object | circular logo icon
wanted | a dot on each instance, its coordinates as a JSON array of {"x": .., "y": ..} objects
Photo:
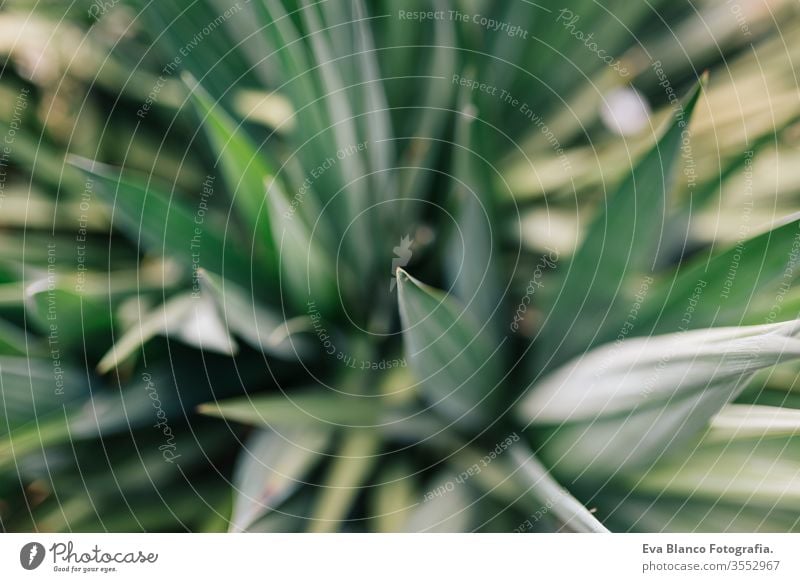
[{"x": 31, "y": 555}]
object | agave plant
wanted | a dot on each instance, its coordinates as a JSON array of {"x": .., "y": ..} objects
[{"x": 337, "y": 266}]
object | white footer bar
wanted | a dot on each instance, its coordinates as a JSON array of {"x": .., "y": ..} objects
[{"x": 390, "y": 557}]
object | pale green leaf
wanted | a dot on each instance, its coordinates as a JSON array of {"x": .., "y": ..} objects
[
  {"x": 568, "y": 510},
  {"x": 755, "y": 473},
  {"x": 625, "y": 405},
  {"x": 460, "y": 371},
  {"x": 450, "y": 512},
  {"x": 254, "y": 323},
  {"x": 270, "y": 468},
  {"x": 754, "y": 421},
  {"x": 306, "y": 408},
  {"x": 192, "y": 320},
  {"x": 349, "y": 470}
]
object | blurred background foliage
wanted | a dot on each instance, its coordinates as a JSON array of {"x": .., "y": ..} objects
[{"x": 88, "y": 81}]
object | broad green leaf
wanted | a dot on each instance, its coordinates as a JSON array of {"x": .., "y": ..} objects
[
  {"x": 472, "y": 254},
  {"x": 244, "y": 167},
  {"x": 33, "y": 438},
  {"x": 270, "y": 468},
  {"x": 340, "y": 28},
  {"x": 252, "y": 179},
  {"x": 744, "y": 284},
  {"x": 35, "y": 397},
  {"x": 621, "y": 245},
  {"x": 164, "y": 225},
  {"x": 248, "y": 27},
  {"x": 459, "y": 369},
  {"x": 343, "y": 127},
  {"x": 313, "y": 138},
  {"x": 376, "y": 123},
  {"x": 344, "y": 482},
  {"x": 294, "y": 61},
  {"x": 432, "y": 110},
  {"x": 15, "y": 341},
  {"x": 507, "y": 50},
  {"x": 357, "y": 197},
  {"x": 625, "y": 405},
  {"x": 211, "y": 58},
  {"x": 33, "y": 388},
  {"x": 307, "y": 272}
]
